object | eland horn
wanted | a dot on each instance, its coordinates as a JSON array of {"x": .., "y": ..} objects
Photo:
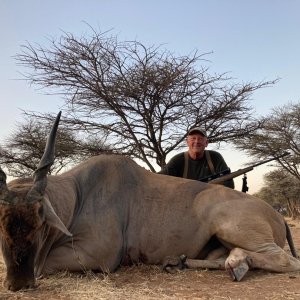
[{"x": 40, "y": 174}]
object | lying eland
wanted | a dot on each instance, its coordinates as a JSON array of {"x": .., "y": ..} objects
[{"x": 108, "y": 212}]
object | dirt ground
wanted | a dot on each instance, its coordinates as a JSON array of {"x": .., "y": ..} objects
[{"x": 149, "y": 282}]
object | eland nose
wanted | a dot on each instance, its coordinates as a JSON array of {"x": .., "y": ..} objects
[{"x": 19, "y": 285}]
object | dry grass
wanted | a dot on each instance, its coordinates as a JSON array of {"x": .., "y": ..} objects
[
  {"x": 148, "y": 282},
  {"x": 139, "y": 282}
]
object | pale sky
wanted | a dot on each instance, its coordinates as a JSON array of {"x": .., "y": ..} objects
[{"x": 253, "y": 40}]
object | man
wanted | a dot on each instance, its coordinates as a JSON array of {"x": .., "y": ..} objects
[{"x": 197, "y": 163}]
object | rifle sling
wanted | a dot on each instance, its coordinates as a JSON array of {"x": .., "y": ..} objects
[
  {"x": 186, "y": 164},
  {"x": 209, "y": 161}
]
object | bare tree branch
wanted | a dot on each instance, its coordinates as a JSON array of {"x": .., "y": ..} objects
[
  {"x": 280, "y": 131},
  {"x": 23, "y": 150},
  {"x": 142, "y": 99}
]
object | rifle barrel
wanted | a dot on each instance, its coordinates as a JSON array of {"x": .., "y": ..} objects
[
  {"x": 231, "y": 175},
  {"x": 239, "y": 172},
  {"x": 270, "y": 159}
]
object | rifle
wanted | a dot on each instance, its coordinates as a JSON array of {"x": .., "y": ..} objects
[
  {"x": 221, "y": 177},
  {"x": 211, "y": 177}
]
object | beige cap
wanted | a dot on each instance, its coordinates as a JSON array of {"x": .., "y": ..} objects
[{"x": 197, "y": 130}]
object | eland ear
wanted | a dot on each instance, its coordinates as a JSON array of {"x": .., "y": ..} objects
[
  {"x": 52, "y": 218},
  {"x": 3, "y": 186}
]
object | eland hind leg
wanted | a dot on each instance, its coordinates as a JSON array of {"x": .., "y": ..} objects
[{"x": 272, "y": 258}]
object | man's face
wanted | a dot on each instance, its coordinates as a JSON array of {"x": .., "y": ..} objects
[{"x": 197, "y": 142}]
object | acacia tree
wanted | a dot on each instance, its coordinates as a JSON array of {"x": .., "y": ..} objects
[
  {"x": 142, "y": 99},
  {"x": 280, "y": 131},
  {"x": 281, "y": 189},
  {"x": 23, "y": 149}
]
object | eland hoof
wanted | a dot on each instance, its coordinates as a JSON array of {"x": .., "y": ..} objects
[
  {"x": 237, "y": 273},
  {"x": 171, "y": 264}
]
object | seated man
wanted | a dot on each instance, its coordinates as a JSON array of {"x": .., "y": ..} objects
[{"x": 197, "y": 163}]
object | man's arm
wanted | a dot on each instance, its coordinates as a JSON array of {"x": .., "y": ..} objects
[{"x": 174, "y": 167}]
